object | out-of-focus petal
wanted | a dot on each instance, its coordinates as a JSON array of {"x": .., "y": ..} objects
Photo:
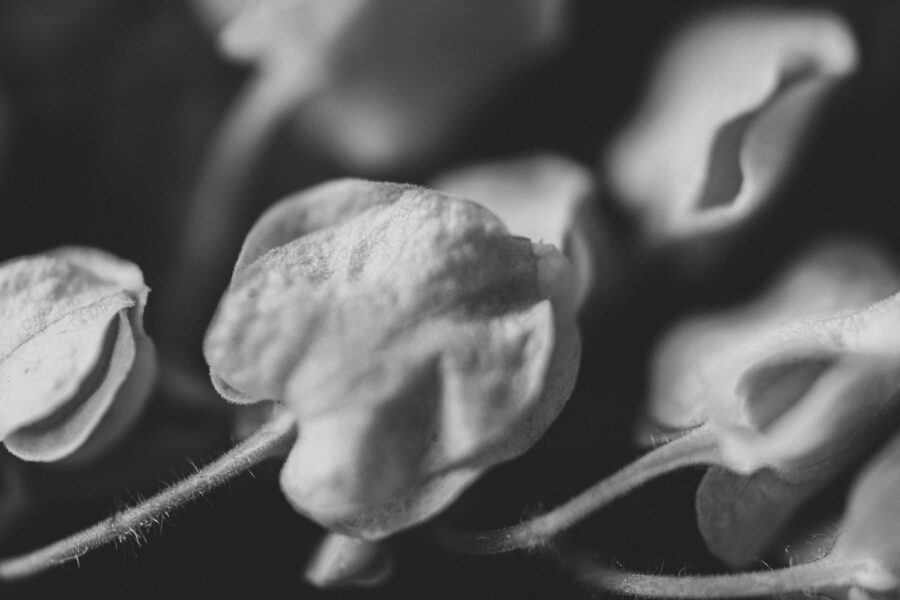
[
  {"x": 342, "y": 561},
  {"x": 728, "y": 107},
  {"x": 871, "y": 528},
  {"x": 790, "y": 409},
  {"x": 545, "y": 198},
  {"x": 5, "y": 133},
  {"x": 389, "y": 83},
  {"x": 692, "y": 362},
  {"x": 417, "y": 342},
  {"x": 75, "y": 364}
]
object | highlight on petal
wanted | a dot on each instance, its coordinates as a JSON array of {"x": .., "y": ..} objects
[
  {"x": 75, "y": 363},
  {"x": 870, "y": 529},
  {"x": 416, "y": 341},
  {"x": 5, "y": 132},
  {"x": 545, "y": 198},
  {"x": 790, "y": 408},
  {"x": 342, "y": 561},
  {"x": 729, "y": 105}
]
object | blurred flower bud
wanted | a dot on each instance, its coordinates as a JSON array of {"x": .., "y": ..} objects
[
  {"x": 75, "y": 363},
  {"x": 870, "y": 529},
  {"x": 788, "y": 411},
  {"x": 728, "y": 107},
  {"x": 415, "y": 340},
  {"x": 389, "y": 83}
]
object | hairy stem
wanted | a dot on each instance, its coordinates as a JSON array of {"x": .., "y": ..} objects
[
  {"x": 696, "y": 447},
  {"x": 132, "y": 522},
  {"x": 819, "y": 576}
]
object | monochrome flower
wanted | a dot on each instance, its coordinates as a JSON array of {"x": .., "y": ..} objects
[
  {"x": 789, "y": 412},
  {"x": 416, "y": 342},
  {"x": 75, "y": 363}
]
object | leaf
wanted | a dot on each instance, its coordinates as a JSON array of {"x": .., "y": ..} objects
[
  {"x": 730, "y": 103},
  {"x": 415, "y": 340},
  {"x": 75, "y": 364},
  {"x": 789, "y": 408},
  {"x": 545, "y": 198}
]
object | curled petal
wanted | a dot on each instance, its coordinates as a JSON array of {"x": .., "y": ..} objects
[
  {"x": 816, "y": 408},
  {"x": 789, "y": 408},
  {"x": 5, "y": 133},
  {"x": 75, "y": 364},
  {"x": 871, "y": 528},
  {"x": 545, "y": 198},
  {"x": 729, "y": 105},
  {"x": 700, "y": 363},
  {"x": 416, "y": 341}
]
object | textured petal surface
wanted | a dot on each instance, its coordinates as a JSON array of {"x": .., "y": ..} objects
[
  {"x": 544, "y": 198},
  {"x": 414, "y": 338},
  {"x": 728, "y": 107},
  {"x": 73, "y": 316}
]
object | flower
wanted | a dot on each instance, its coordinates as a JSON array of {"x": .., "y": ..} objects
[
  {"x": 726, "y": 112},
  {"x": 415, "y": 340},
  {"x": 547, "y": 198},
  {"x": 75, "y": 363},
  {"x": 388, "y": 84},
  {"x": 789, "y": 409}
]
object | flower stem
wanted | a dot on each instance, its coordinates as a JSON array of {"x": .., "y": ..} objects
[
  {"x": 134, "y": 521},
  {"x": 819, "y": 576},
  {"x": 696, "y": 447},
  {"x": 206, "y": 243}
]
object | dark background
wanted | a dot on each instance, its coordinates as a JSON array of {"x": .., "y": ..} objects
[{"x": 114, "y": 101}]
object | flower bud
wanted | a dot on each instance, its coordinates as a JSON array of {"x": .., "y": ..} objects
[
  {"x": 75, "y": 363},
  {"x": 415, "y": 340}
]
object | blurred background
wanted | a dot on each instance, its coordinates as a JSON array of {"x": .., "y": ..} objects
[{"x": 107, "y": 110}]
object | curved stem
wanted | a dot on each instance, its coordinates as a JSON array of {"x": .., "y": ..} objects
[
  {"x": 696, "y": 447},
  {"x": 134, "y": 521},
  {"x": 819, "y": 576},
  {"x": 213, "y": 206},
  {"x": 245, "y": 131}
]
